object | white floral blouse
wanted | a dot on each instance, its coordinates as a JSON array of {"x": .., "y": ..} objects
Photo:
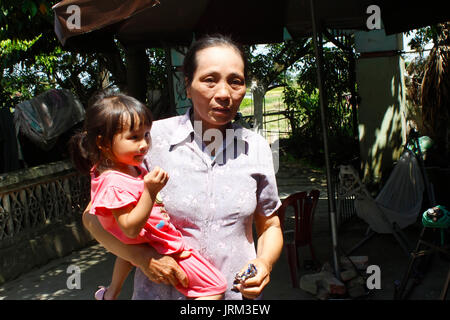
[{"x": 211, "y": 200}]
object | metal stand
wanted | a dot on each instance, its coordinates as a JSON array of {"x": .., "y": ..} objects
[
  {"x": 401, "y": 290},
  {"x": 412, "y": 141},
  {"x": 445, "y": 288},
  {"x": 352, "y": 185},
  {"x": 424, "y": 250},
  {"x": 396, "y": 232},
  {"x": 318, "y": 50}
]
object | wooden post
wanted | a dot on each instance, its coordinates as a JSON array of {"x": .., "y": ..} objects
[{"x": 137, "y": 70}]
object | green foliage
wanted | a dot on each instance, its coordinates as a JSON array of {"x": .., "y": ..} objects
[
  {"x": 8, "y": 46},
  {"x": 268, "y": 64},
  {"x": 28, "y": 49},
  {"x": 157, "y": 77},
  {"x": 427, "y": 88},
  {"x": 336, "y": 75},
  {"x": 24, "y": 19},
  {"x": 27, "y": 72},
  {"x": 423, "y": 36},
  {"x": 33, "y": 61},
  {"x": 303, "y": 110},
  {"x": 246, "y": 102}
]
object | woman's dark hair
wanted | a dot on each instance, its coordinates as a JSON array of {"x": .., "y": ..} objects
[
  {"x": 208, "y": 41},
  {"x": 104, "y": 117}
]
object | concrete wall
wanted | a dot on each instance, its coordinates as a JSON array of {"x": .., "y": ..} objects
[
  {"x": 381, "y": 86},
  {"x": 40, "y": 216},
  {"x": 381, "y": 122},
  {"x": 38, "y": 247}
]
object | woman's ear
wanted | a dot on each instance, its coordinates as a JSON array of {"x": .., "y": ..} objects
[{"x": 188, "y": 88}]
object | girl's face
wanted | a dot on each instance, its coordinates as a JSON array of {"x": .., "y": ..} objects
[
  {"x": 129, "y": 147},
  {"x": 218, "y": 86}
]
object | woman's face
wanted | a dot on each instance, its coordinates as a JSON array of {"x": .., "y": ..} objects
[{"x": 218, "y": 86}]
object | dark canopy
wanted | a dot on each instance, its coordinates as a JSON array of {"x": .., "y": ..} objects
[{"x": 150, "y": 23}]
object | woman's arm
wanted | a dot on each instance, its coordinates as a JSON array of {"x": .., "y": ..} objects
[
  {"x": 158, "y": 268},
  {"x": 269, "y": 246}
]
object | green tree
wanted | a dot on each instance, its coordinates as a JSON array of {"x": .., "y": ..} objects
[
  {"x": 435, "y": 94},
  {"x": 24, "y": 35},
  {"x": 267, "y": 67},
  {"x": 428, "y": 87},
  {"x": 32, "y": 60},
  {"x": 302, "y": 100}
]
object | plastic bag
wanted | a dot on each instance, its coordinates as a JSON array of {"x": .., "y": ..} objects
[
  {"x": 44, "y": 118},
  {"x": 399, "y": 201}
]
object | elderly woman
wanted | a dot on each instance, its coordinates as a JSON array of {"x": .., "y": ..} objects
[{"x": 221, "y": 182}]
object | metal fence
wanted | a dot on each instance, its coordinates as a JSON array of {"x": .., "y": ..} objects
[{"x": 345, "y": 202}]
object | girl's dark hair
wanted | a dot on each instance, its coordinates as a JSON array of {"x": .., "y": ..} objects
[
  {"x": 104, "y": 117},
  {"x": 208, "y": 41}
]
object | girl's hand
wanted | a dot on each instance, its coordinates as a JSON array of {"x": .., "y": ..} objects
[
  {"x": 253, "y": 287},
  {"x": 155, "y": 180}
]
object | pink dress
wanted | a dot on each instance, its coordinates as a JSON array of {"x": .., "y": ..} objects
[{"x": 114, "y": 190}]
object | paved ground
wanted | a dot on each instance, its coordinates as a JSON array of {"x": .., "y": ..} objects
[{"x": 50, "y": 281}]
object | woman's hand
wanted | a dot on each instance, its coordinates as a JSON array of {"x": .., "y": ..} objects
[
  {"x": 158, "y": 268},
  {"x": 163, "y": 269},
  {"x": 253, "y": 287},
  {"x": 270, "y": 244}
]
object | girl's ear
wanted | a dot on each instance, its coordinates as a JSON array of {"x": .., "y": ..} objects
[{"x": 100, "y": 143}]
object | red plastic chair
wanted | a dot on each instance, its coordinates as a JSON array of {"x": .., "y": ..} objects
[{"x": 304, "y": 207}]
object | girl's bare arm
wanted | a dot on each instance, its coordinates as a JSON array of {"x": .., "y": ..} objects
[
  {"x": 158, "y": 268},
  {"x": 131, "y": 219}
]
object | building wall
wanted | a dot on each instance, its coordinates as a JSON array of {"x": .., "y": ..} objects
[{"x": 381, "y": 86}]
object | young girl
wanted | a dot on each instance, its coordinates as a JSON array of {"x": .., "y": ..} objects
[{"x": 124, "y": 195}]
